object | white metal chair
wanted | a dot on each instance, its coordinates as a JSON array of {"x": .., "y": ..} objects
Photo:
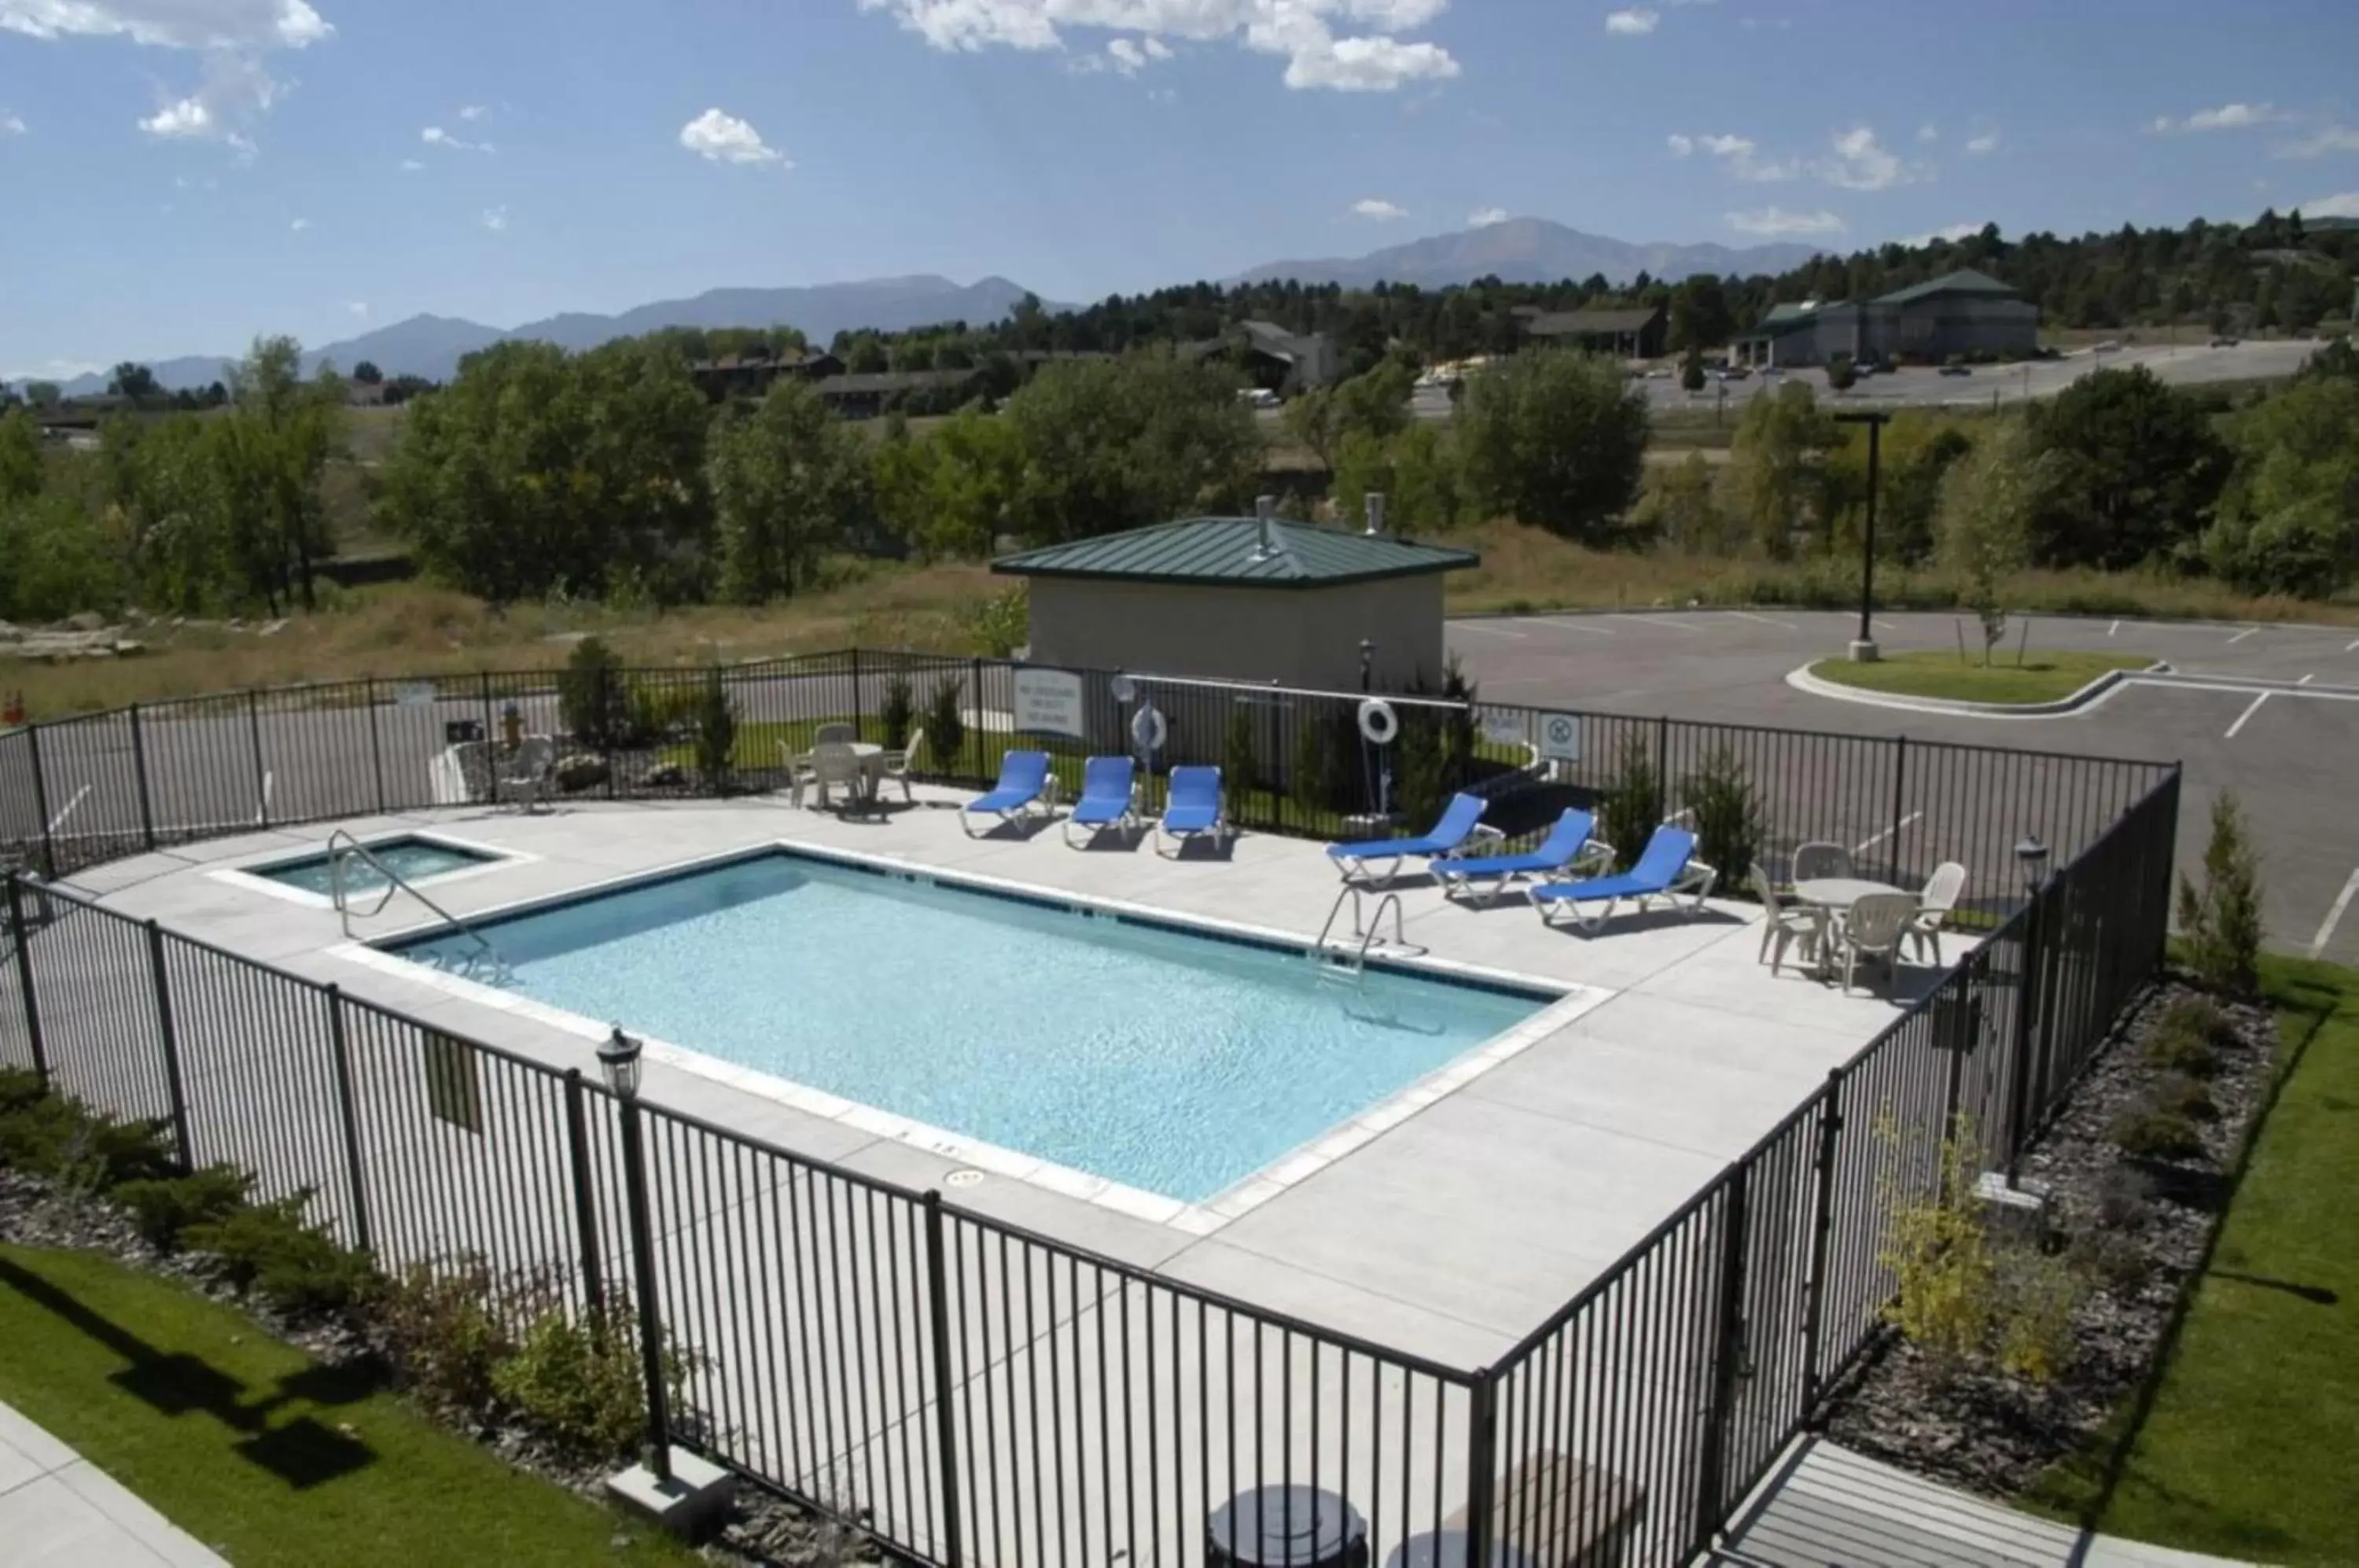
[
  {"x": 1813, "y": 861},
  {"x": 1935, "y": 905},
  {"x": 1873, "y": 929},
  {"x": 527, "y": 775},
  {"x": 1783, "y": 925},
  {"x": 898, "y": 765}
]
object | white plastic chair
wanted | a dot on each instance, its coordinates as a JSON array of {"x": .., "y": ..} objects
[
  {"x": 835, "y": 764},
  {"x": 898, "y": 765},
  {"x": 1935, "y": 905},
  {"x": 1783, "y": 925},
  {"x": 836, "y": 734},
  {"x": 801, "y": 773},
  {"x": 526, "y": 775},
  {"x": 1873, "y": 929},
  {"x": 1813, "y": 861}
]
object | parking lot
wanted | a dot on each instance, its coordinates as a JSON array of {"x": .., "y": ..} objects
[{"x": 2290, "y": 755}]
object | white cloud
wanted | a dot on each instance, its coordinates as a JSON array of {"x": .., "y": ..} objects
[
  {"x": 1953, "y": 233},
  {"x": 2345, "y": 205},
  {"x": 495, "y": 219},
  {"x": 1778, "y": 221},
  {"x": 723, "y": 138},
  {"x": 1738, "y": 156},
  {"x": 2324, "y": 140},
  {"x": 171, "y": 24},
  {"x": 299, "y": 225},
  {"x": 410, "y": 166},
  {"x": 2226, "y": 118},
  {"x": 188, "y": 119},
  {"x": 1928, "y": 132},
  {"x": 1860, "y": 163},
  {"x": 1484, "y": 217},
  {"x": 1130, "y": 56},
  {"x": 1303, "y": 32},
  {"x": 1635, "y": 22},
  {"x": 435, "y": 135},
  {"x": 471, "y": 111},
  {"x": 1983, "y": 142},
  {"x": 358, "y": 307},
  {"x": 1379, "y": 209},
  {"x": 11, "y": 124}
]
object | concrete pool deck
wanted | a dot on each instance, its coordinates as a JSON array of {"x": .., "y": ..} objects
[{"x": 1449, "y": 1233}]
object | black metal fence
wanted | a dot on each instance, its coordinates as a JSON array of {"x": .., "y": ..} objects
[{"x": 971, "y": 1391}]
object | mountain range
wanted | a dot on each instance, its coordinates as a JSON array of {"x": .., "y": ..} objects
[{"x": 1518, "y": 250}]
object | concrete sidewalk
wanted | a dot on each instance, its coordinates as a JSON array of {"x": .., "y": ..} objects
[{"x": 56, "y": 1508}]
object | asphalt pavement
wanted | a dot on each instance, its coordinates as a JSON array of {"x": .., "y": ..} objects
[{"x": 2288, "y": 755}]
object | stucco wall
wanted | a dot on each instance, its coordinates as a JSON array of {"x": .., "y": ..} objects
[{"x": 1296, "y": 636}]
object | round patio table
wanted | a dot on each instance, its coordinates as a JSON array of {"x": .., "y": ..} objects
[{"x": 1838, "y": 892}]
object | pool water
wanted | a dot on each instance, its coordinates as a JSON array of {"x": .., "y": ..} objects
[
  {"x": 411, "y": 859},
  {"x": 1155, "y": 1058}
]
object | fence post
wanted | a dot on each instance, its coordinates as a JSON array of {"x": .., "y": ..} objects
[
  {"x": 347, "y": 1113},
  {"x": 2027, "y": 1006},
  {"x": 858, "y": 725},
  {"x": 1822, "y": 1220},
  {"x": 1728, "y": 1343},
  {"x": 41, "y": 803},
  {"x": 1481, "y": 1464},
  {"x": 376, "y": 743},
  {"x": 261, "y": 774},
  {"x": 945, "y": 1428},
  {"x": 139, "y": 773},
  {"x": 974, "y": 730},
  {"x": 1899, "y": 782},
  {"x": 585, "y": 1202},
  {"x": 1663, "y": 760},
  {"x": 491, "y": 729},
  {"x": 20, "y": 935},
  {"x": 167, "y": 1033}
]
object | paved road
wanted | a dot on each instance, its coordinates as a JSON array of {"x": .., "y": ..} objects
[{"x": 2289, "y": 757}]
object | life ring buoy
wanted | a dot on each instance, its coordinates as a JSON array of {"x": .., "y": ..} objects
[
  {"x": 1147, "y": 728},
  {"x": 1378, "y": 723}
]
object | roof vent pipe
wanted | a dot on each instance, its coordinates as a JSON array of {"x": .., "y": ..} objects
[
  {"x": 1265, "y": 508},
  {"x": 1375, "y": 515}
]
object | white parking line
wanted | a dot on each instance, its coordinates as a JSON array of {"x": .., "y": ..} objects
[
  {"x": 2351, "y": 646},
  {"x": 1669, "y": 621},
  {"x": 1864, "y": 846},
  {"x": 2306, "y": 679},
  {"x": 1486, "y": 630},
  {"x": 2112, "y": 629},
  {"x": 2334, "y": 916},
  {"x": 2247, "y": 714},
  {"x": 59, "y": 821},
  {"x": 1569, "y": 624},
  {"x": 1746, "y": 616},
  {"x": 2241, "y": 635}
]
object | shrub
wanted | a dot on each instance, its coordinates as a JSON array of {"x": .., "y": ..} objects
[
  {"x": 164, "y": 1210},
  {"x": 945, "y": 730},
  {"x": 1001, "y": 623},
  {"x": 1727, "y": 816},
  {"x": 577, "y": 1381},
  {"x": 2221, "y": 926},
  {"x": 1634, "y": 801},
  {"x": 20, "y": 1087},
  {"x": 658, "y": 709},
  {"x": 2178, "y": 1094},
  {"x": 2114, "y": 1260},
  {"x": 1939, "y": 1253},
  {"x": 1239, "y": 763},
  {"x": 2149, "y": 1133},
  {"x": 716, "y": 731},
  {"x": 2201, "y": 1019},
  {"x": 444, "y": 1333},
  {"x": 271, "y": 1249},
  {"x": 898, "y": 714},
  {"x": 51, "y": 1135},
  {"x": 1326, "y": 769},
  {"x": 2124, "y": 1198},
  {"x": 2177, "y": 1046},
  {"x": 593, "y": 701},
  {"x": 2035, "y": 1295}
]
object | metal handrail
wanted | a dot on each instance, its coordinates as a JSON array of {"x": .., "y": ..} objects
[
  {"x": 1365, "y": 931},
  {"x": 344, "y": 848},
  {"x": 1400, "y": 937}
]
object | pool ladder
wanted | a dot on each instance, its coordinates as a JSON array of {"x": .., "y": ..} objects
[
  {"x": 1347, "y": 964},
  {"x": 481, "y": 962}
]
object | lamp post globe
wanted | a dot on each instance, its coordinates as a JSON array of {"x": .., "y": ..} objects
[{"x": 618, "y": 1059}]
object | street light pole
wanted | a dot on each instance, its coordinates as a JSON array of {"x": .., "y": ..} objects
[
  {"x": 619, "y": 1057},
  {"x": 1862, "y": 648}
]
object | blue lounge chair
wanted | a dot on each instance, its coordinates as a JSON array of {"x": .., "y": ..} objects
[
  {"x": 1359, "y": 862},
  {"x": 1109, "y": 800},
  {"x": 1023, "y": 790},
  {"x": 1194, "y": 807},
  {"x": 1567, "y": 847},
  {"x": 1666, "y": 868}
]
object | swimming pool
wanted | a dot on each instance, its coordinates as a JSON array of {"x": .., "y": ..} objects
[
  {"x": 1152, "y": 1056},
  {"x": 412, "y": 858}
]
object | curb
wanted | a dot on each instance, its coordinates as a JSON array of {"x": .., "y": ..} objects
[{"x": 2088, "y": 696}]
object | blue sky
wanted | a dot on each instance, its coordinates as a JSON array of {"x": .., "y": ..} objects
[{"x": 182, "y": 174}]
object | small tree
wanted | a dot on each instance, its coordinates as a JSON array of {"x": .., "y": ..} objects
[
  {"x": 945, "y": 729},
  {"x": 1983, "y": 521},
  {"x": 1727, "y": 814},
  {"x": 1691, "y": 371},
  {"x": 1240, "y": 770},
  {"x": 1842, "y": 373},
  {"x": 1634, "y": 803},
  {"x": 717, "y": 732},
  {"x": 899, "y": 712},
  {"x": 593, "y": 701},
  {"x": 2222, "y": 924}
]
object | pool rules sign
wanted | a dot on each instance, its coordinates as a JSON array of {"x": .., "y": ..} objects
[{"x": 1048, "y": 701}]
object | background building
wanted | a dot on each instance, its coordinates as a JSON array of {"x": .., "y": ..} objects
[
  {"x": 1965, "y": 313},
  {"x": 1633, "y": 332}
]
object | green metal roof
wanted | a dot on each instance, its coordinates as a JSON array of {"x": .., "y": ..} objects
[
  {"x": 1227, "y": 551},
  {"x": 1965, "y": 280}
]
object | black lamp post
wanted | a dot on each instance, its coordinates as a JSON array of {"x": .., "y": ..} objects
[
  {"x": 1367, "y": 663},
  {"x": 1864, "y": 648},
  {"x": 2031, "y": 856},
  {"x": 619, "y": 1059}
]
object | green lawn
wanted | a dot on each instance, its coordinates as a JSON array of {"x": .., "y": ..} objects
[
  {"x": 2253, "y": 1439},
  {"x": 2041, "y": 678},
  {"x": 258, "y": 1451}
]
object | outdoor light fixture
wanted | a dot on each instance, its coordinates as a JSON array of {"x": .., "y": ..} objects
[
  {"x": 618, "y": 1058},
  {"x": 2032, "y": 856}
]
